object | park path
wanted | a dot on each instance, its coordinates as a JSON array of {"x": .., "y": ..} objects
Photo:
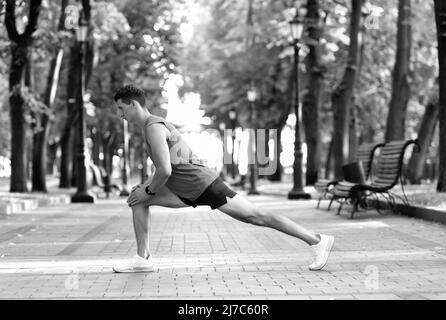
[{"x": 66, "y": 251}]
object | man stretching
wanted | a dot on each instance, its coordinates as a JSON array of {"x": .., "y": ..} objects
[{"x": 181, "y": 180}]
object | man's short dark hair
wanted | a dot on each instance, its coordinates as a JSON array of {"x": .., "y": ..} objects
[{"x": 130, "y": 92}]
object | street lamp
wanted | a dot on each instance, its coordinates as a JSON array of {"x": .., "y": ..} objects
[
  {"x": 252, "y": 97},
  {"x": 232, "y": 117},
  {"x": 297, "y": 26},
  {"x": 82, "y": 194},
  {"x": 125, "y": 190}
]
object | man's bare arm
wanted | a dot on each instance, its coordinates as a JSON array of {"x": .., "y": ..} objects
[{"x": 156, "y": 135}]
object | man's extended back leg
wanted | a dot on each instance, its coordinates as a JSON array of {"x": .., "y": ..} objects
[{"x": 244, "y": 210}]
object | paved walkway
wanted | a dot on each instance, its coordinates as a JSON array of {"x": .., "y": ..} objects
[{"x": 66, "y": 251}]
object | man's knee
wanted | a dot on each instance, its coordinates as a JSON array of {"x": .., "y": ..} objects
[{"x": 258, "y": 218}]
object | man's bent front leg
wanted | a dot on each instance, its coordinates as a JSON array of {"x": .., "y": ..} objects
[
  {"x": 141, "y": 217},
  {"x": 141, "y": 225}
]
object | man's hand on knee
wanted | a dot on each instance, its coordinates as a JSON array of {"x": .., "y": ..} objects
[
  {"x": 137, "y": 195},
  {"x": 140, "y": 185}
]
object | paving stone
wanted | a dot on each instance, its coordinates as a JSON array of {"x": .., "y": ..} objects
[{"x": 203, "y": 254}]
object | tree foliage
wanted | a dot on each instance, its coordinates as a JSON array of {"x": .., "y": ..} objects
[{"x": 220, "y": 50}]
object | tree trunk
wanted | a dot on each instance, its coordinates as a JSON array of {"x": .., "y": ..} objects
[
  {"x": 329, "y": 161},
  {"x": 440, "y": 18},
  {"x": 68, "y": 176},
  {"x": 396, "y": 118},
  {"x": 276, "y": 99},
  {"x": 353, "y": 128},
  {"x": 52, "y": 157},
  {"x": 343, "y": 95},
  {"x": 286, "y": 104},
  {"x": 425, "y": 136},
  {"x": 41, "y": 137},
  {"x": 353, "y": 135},
  {"x": 18, "y": 129},
  {"x": 356, "y": 138},
  {"x": 66, "y": 159},
  {"x": 89, "y": 62},
  {"x": 249, "y": 37},
  {"x": 29, "y": 84},
  {"x": 312, "y": 100},
  {"x": 67, "y": 139},
  {"x": 20, "y": 44}
]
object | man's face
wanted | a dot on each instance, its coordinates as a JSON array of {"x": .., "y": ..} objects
[{"x": 126, "y": 110}]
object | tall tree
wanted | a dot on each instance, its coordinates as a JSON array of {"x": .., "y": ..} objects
[
  {"x": 68, "y": 139},
  {"x": 353, "y": 126},
  {"x": 220, "y": 67},
  {"x": 136, "y": 42},
  {"x": 67, "y": 136},
  {"x": 41, "y": 137},
  {"x": 440, "y": 19},
  {"x": 342, "y": 97},
  {"x": 19, "y": 46},
  {"x": 284, "y": 105},
  {"x": 312, "y": 100},
  {"x": 396, "y": 118},
  {"x": 425, "y": 135}
]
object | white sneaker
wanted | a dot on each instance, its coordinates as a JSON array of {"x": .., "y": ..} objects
[
  {"x": 136, "y": 264},
  {"x": 322, "y": 251}
]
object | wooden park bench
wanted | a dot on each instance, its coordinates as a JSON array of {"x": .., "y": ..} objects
[
  {"x": 364, "y": 154},
  {"x": 388, "y": 174},
  {"x": 102, "y": 179}
]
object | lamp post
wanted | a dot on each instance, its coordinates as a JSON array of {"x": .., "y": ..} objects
[
  {"x": 125, "y": 190},
  {"x": 232, "y": 117},
  {"x": 252, "y": 97},
  {"x": 297, "y": 192},
  {"x": 82, "y": 194}
]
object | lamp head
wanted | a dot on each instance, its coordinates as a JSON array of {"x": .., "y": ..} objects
[
  {"x": 82, "y": 29},
  {"x": 252, "y": 94},
  {"x": 297, "y": 27}
]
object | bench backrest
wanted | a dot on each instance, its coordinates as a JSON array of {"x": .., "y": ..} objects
[
  {"x": 97, "y": 177},
  {"x": 365, "y": 154},
  {"x": 390, "y": 163}
]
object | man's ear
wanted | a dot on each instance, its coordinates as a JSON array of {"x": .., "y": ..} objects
[
  {"x": 137, "y": 104},
  {"x": 134, "y": 103}
]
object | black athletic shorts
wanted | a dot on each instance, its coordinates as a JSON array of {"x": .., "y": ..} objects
[{"x": 214, "y": 195}]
